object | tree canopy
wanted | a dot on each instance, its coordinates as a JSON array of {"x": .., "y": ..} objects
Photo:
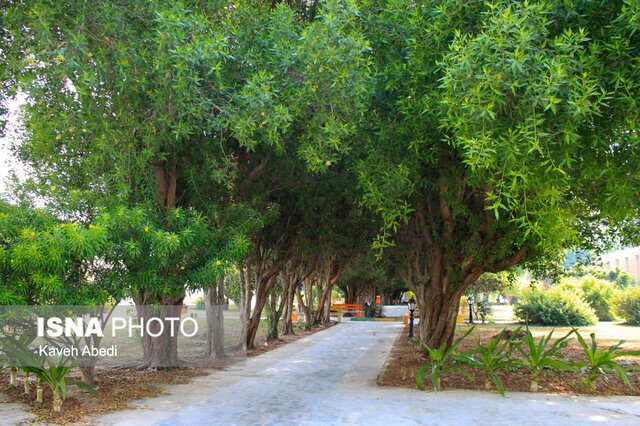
[{"x": 459, "y": 137}]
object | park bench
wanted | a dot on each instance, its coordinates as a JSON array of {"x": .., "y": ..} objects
[{"x": 340, "y": 309}]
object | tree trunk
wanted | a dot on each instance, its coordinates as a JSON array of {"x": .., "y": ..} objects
[
  {"x": 214, "y": 300},
  {"x": 247, "y": 295},
  {"x": 318, "y": 307},
  {"x": 160, "y": 351},
  {"x": 304, "y": 307},
  {"x": 332, "y": 275},
  {"x": 88, "y": 372},
  {"x": 274, "y": 317},
  {"x": 438, "y": 310},
  {"x": 351, "y": 293},
  {"x": 265, "y": 282},
  {"x": 287, "y": 322},
  {"x": 262, "y": 294}
]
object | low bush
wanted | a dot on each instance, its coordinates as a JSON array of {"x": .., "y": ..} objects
[
  {"x": 374, "y": 310},
  {"x": 493, "y": 357},
  {"x": 483, "y": 309},
  {"x": 538, "y": 356},
  {"x": 626, "y": 304},
  {"x": 602, "y": 361},
  {"x": 440, "y": 360},
  {"x": 597, "y": 292},
  {"x": 555, "y": 306}
]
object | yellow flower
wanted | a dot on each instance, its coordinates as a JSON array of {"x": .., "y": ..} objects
[
  {"x": 91, "y": 226},
  {"x": 33, "y": 234},
  {"x": 500, "y": 76},
  {"x": 380, "y": 209},
  {"x": 63, "y": 225},
  {"x": 53, "y": 187},
  {"x": 328, "y": 163},
  {"x": 182, "y": 268},
  {"x": 146, "y": 229},
  {"x": 75, "y": 223},
  {"x": 218, "y": 262}
]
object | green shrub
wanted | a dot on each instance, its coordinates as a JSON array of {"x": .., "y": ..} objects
[
  {"x": 596, "y": 292},
  {"x": 602, "y": 361},
  {"x": 626, "y": 304},
  {"x": 375, "y": 310},
  {"x": 492, "y": 358},
  {"x": 483, "y": 309},
  {"x": 200, "y": 303},
  {"x": 538, "y": 356},
  {"x": 555, "y": 306},
  {"x": 440, "y": 360}
]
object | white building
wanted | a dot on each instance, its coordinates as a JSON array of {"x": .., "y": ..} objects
[{"x": 627, "y": 260}]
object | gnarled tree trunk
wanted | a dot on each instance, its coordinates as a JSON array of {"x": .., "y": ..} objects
[{"x": 160, "y": 351}]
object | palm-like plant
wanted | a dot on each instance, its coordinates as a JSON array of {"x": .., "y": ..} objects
[
  {"x": 440, "y": 360},
  {"x": 602, "y": 361},
  {"x": 24, "y": 340},
  {"x": 491, "y": 358},
  {"x": 27, "y": 386},
  {"x": 539, "y": 356},
  {"x": 54, "y": 375}
]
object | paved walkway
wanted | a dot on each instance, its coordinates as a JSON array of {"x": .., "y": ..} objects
[
  {"x": 329, "y": 378},
  {"x": 13, "y": 413}
]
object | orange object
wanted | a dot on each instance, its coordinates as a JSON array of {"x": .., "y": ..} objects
[
  {"x": 406, "y": 319},
  {"x": 343, "y": 308},
  {"x": 294, "y": 317},
  {"x": 377, "y": 299}
]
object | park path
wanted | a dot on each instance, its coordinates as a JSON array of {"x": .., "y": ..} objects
[{"x": 329, "y": 378}]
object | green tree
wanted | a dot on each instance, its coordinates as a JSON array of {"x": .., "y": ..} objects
[
  {"x": 500, "y": 133},
  {"x": 181, "y": 105}
]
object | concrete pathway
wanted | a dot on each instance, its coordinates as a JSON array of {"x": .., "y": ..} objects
[
  {"x": 12, "y": 413},
  {"x": 329, "y": 378}
]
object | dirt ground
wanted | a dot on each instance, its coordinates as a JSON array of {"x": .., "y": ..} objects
[{"x": 406, "y": 358}]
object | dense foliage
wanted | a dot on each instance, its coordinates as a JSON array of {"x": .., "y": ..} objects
[
  {"x": 499, "y": 133},
  {"x": 556, "y": 306},
  {"x": 626, "y": 305},
  {"x": 180, "y": 142},
  {"x": 596, "y": 292}
]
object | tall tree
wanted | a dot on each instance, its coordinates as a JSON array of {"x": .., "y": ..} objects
[
  {"x": 179, "y": 105},
  {"x": 501, "y": 133}
]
